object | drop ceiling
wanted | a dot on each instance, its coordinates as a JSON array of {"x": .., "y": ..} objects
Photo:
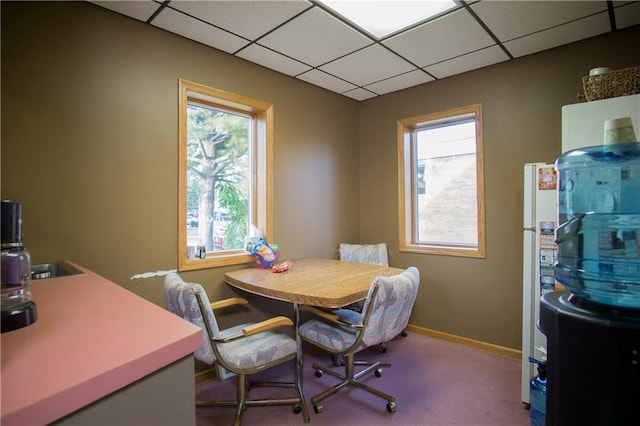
[{"x": 308, "y": 41}]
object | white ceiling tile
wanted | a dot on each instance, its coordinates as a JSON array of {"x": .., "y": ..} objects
[
  {"x": 474, "y": 60},
  {"x": 368, "y": 65},
  {"x": 300, "y": 39},
  {"x": 511, "y": 19},
  {"x": 627, "y": 14},
  {"x": 249, "y": 19},
  {"x": 327, "y": 81},
  {"x": 140, "y": 10},
  {"x": 267, "y": 58},
  {"x": 558, "y": 36},
  {"x": 400, "y": 82},
  {"x": 181, "y": 24},
  {"x": 444, "y": 38},
  {"x": 359, "y": 94},
  {"x": 315, "y": 37}
]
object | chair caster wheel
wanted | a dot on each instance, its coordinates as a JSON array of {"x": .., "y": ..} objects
[
  {"x": 317, "y": 408},
  {"x": 297, "y": 409},
  {"x": 378, "y": 372},
  {"x": 391, "y": 407},
  {"x": 318, "y": 373}
]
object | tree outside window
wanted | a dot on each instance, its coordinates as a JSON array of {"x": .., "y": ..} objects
[
  {"x": 218, "y": 175},
  {"x": 224, "y": 175}
]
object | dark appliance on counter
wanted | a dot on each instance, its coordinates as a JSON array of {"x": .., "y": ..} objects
[{"x": 18, "y": 310}]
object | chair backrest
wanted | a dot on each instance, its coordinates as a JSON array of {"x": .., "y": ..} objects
[
  {"x": 180, "y": 298},
  {"x": 388, "y": 306},
  {"x": 375, "y": 254}
]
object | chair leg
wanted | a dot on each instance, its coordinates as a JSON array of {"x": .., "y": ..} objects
[
  {"x": 242, "y": 403},
  {"x": 241, "y": 398},
  {"x": 350, "y": 378}
]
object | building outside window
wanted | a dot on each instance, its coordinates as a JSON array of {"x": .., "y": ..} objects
[{"x": 441, "y": 183}]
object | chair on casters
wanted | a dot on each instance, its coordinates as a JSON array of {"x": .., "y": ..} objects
[
  {"x": 243, "y": 349},
  {"x": 345, "y": 332},
  {"x": 375, "y": 254}
]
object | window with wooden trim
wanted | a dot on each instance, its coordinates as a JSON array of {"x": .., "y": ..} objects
[
  {"x": 441, "y": 183},
  {"x": 225, "y": 178}
]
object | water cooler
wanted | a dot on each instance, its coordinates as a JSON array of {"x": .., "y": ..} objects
[{"x": 593, "y": 328}]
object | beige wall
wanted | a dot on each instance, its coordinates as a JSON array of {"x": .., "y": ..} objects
[
  {"x": 521, "y": 104},
  {"x": 89, "y": 145}
]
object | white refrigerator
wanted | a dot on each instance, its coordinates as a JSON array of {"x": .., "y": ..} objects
[
  {"x": 539, "y": 255},
  {"x": 582, "y": 126}
]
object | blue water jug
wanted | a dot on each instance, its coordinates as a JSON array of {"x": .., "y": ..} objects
[
  {"x": 599, "y": 234},
  {"x": 538, "y": 387}
]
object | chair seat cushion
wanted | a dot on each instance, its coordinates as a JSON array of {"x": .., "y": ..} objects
[
  {"x": 255, "y": 353},
  {"x": 332, "y": 338}
]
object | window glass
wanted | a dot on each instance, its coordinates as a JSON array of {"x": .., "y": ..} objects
[
  {"x": 224, "y": 174},
  {"x": 218, "y": 177},
  {"x": 441, "y": 183}
]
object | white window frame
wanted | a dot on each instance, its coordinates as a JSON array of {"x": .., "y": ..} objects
[{"x": 407, "y": 168}]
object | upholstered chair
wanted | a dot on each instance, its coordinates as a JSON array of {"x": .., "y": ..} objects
[
  {"x": 346, "y": 332},
  {"x": 375, "y": 254},
  {"x": 243, "y": 349}
]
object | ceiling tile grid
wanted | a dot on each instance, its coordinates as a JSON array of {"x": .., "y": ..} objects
[
  {"x": 368, "y": 65},
  {"x": 140, "y": 10},
  {"x": 627, "y": 13},
  {"x": 328, "y": 81},
  {"x": 273, "y": 60},
  {"x": 444, "y": 38},
  {"x": 512, "y": 19},
  {"x": 308, "y": 41},
  {"x": 399, "y": 82},
  {"x": 248, "y": 18},
  {"x": 470, "y": 61},
  {"x": 315, "y": 38},
  {"x": 557, "y": 36},
  {"x": 179, "y": 23}
]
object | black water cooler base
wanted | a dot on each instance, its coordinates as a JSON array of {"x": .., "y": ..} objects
[{"x": 593, "y": 362}]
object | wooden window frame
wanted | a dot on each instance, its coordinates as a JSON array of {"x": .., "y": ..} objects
[
  {"x": 406, "y": 165},
  {"x": 262, "y": 176}
]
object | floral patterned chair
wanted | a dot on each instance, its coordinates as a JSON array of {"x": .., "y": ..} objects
[
  {"x": 345, "y": 332},
  {"x": 375, "y": 254},
  {"x": 243, "y": 349}
]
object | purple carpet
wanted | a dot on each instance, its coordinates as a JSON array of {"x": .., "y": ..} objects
[{"x": 435, "y": 382}]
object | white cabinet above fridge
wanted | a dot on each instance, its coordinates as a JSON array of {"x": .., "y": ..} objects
[{"x": 583, "y": 123}]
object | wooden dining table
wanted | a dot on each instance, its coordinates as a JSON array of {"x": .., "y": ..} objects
[{"x": 325, "y": 283}]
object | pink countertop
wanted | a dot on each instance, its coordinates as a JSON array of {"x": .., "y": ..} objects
[{"x": 92, "y": 337}]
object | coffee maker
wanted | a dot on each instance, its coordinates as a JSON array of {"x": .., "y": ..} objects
[{"x": 18, "y": 310}]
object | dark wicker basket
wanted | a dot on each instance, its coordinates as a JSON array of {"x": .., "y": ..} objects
[{"x": 622, "y": 82}]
